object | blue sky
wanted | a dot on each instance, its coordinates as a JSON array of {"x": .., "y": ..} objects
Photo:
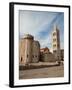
[{"x": 40, "y": 24}]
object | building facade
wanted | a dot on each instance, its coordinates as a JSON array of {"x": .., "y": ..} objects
[
  {"x": 29, "y": 50},
  {"x": 35, "y": 51},
  {"x": 46, "y": 55}
]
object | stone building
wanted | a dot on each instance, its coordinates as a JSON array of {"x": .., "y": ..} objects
[
  {"x": 56, "y": 43},
  {"x": 29, "y": 50},
  {"x": 46, "y": 55},
  {"x": 62, "y": 54},
  {"x": 35, "y": 51}
]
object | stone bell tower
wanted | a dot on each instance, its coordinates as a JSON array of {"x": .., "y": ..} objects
[{"x": 56, "y": 42}]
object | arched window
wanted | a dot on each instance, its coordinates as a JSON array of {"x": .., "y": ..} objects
[
  {"x": 54, "y": 40},
  {"x": 54, "y": 34},
  {"x": 54, "y": 45}
]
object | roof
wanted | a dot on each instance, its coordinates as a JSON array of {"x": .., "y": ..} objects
[
  {"x": 44, "y": 49},
  {"x": 28, "y": 36}
]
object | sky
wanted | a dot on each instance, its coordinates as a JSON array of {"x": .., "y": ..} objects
[{"x": 40, "y": 24}]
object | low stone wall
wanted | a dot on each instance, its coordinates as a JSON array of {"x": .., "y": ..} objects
[
  {"x": 48, "y": 57},
  {"x": 38, "y": 65}
]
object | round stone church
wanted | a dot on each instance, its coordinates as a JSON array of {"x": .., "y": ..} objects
[{"x": 29, "y": 50}]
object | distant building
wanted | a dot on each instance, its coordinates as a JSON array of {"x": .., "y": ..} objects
[
  {"x": 56, "y": 43},
  {"x": 62, "y": 54},
  {"x": 29, "y": 50},
  {"x": 44, "y": 50},
  {"x": 46, "y": 55}
]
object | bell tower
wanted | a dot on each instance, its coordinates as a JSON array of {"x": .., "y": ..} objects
[{"x": 56, "y": 42}]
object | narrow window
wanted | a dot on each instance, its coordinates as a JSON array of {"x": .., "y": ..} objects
[
  {"x": 21, "y": 59},
  {"x": 27, "y": 55},
  {"x": 33, "y": 56},
  {"x": 36, "y": 56}
]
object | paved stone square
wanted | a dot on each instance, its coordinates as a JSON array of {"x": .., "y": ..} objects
[{"x": 55, "y": 71}]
